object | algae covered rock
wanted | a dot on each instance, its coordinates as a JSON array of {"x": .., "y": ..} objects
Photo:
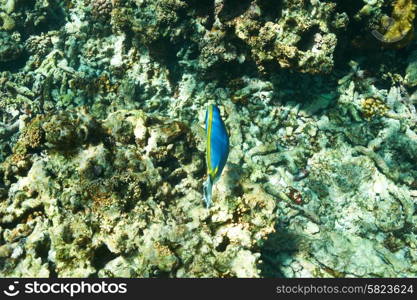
[
  {"x": 65, "y": 131},
  {"x": 411, "y": 71},
  {"x": 10, "y": 47},
  {"x": 135, "y": 199}
]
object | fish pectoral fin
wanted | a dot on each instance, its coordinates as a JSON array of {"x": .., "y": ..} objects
[
  {"x": 213, "y": 173},
  {"x": 207, "y": 192}
]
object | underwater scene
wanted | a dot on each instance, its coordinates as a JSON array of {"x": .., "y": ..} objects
[{"x": 208, "y": 138}]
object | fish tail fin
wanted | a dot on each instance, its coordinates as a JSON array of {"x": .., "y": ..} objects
[{"x": 207, "y": 188}]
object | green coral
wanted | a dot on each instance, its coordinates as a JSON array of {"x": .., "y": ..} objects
[{"x": 7, "y": 22}]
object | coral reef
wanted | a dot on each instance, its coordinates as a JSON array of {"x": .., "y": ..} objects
[
  {"x": 109, "y": 207},
  {"x": 102, "y": 162},
  {"x": 402, "y": 27},
  {"x": 303, "y": 39},
  {"x": 10, "y": 47}
]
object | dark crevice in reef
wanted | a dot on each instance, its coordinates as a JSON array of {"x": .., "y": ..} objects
[
  {"x": 223, "y": 245},
  {"x": 358, "y": 40},
  {"x": 15, "y": 65},
  {"x": 12, "y": 178},
  {"x": 174, "y": 180},
  {"x": 349, "y": 6},
  {"x": 55, "y": 20},
  {"x": 52, "y": 270},
  {"x": 278, "y": 246},
  {"x": 155, "y": 272},
  {"x": 165, "y": 52},
  {"x": 204, "y": 8},
  {"x": 346, "y": 44},
  {"x": 102, "y": 256},
  {"x": 22, "y": 219},
  {"x": 27, "y": 5},
  {"x": 169, "y": 164},
  {"x": 271, "y": 10},
  {"x": 307, "y": 38},
  {"x": 200, "y": 173},
  {"x": 233, "y": 9},
  {"x": 42, "y": 251}
]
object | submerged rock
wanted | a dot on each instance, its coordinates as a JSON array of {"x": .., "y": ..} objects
[
  {"x": 144, "y": 205},
  {"x": 102, "y": 158}
]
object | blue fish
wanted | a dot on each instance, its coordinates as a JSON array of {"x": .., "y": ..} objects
[{"x": 217, "y": 150}]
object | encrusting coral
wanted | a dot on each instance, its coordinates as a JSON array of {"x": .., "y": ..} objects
[
  {"x": 112, "y": 185},
  {"x": 402, "y": 29},
  {"x": 102, "y": 165}
]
